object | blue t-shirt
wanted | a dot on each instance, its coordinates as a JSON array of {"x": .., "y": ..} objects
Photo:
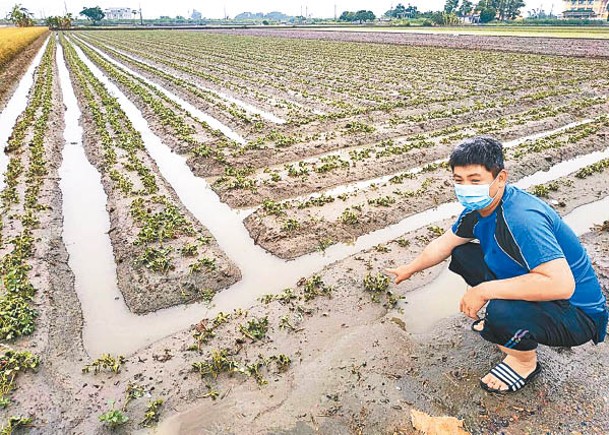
[{"x": 524, "y": 232}]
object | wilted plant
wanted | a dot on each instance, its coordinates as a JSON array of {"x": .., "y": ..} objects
[
  {"x": 152, "y": 414},
  {"x": 106, "y": 361}
]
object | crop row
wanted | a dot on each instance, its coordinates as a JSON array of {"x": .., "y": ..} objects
[
  {"x": 189, "y": 134},
  {"x": 388, "y": 156},
  {"x": 295, "y": 227},
  {"x": 250, "y": 156},
  {"x": 164, "y": 257},
  {"x": 22, "y": 209},
  {"x": 230, "y": 113},
  {"x": 194, "y": 61},
  {"x": 335, "y": 66}
]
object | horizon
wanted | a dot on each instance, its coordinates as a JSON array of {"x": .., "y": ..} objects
[{"x": 310, "y": 9}]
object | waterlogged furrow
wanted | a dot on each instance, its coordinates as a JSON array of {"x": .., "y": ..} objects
[
  {"x": 350, "y": 127},
  {"x": 292, "y": 228},
  {"x": 209, "y": 95},
  {"x": 16, "y": 105},
  {"x": 164, "y": 257},
  {"x": 181, "y": 126},
  {"x": 26, "y": 206},
  {"x": 116, "y": 68},
  {"x": 374, "y": 164}
]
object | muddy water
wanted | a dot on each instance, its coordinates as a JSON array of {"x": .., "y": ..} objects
[
  {"x": 562, "y": 169},
  {"x": 84, "y": 200},
  {"x": 353, "y": 187},
  {"x": 242, "y": 104},
  {"x": 211, "y": 121},
  {"x": 15, "y": 106},
  {"x": 124, "y": 333},
  {"x": 440, "y": 298}
]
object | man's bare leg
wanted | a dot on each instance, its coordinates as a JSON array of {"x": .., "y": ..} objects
[{"x": 523, "y": 362}]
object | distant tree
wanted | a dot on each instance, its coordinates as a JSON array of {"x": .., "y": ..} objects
[
  {"x": 487, "y": 15},
  {"x": 512, "y": 9},
  {"x": 444, "y": 19},
  {"x": 466, "y": 8},
  {"x": 363, "y": 16},
  {"x": 60, "y": 23},
  {"x": 451, "y": 6},
  {"x": 504, "y": 9},
  {"x": 93, "y": 14},
  {"x": 347, "y": 16},
  {"x": 20, "y": 16}
]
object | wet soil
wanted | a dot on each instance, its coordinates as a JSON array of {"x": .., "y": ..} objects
[
  {"x": 57, "y": 338},
  {"x": 355, "y": 367},
  {"x": 317, "y": 227},
  {"x": 143, "y": 290}
]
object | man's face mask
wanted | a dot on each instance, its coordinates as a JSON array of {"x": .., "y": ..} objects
[{"x": 475, "y": 196}]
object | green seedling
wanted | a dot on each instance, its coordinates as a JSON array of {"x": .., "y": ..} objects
[
  {"x": 314, "y": 287},
  {"x": 290, "y": 225},
  {"x": 220, "y": 362},
  {"x": 11, "y": 364},
  {"x": 113, "y": 418},
  {"x": 255, "y": 329},
  {"x": 132, "y": 392}
]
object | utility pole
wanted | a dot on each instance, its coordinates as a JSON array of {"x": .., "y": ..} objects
[
  {"x": 141, "y": 18},
  {"x": 334, "y": 11},
  {"x": 65, "y": 8}
]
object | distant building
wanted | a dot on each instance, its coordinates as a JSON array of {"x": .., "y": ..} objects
[
  {"x": 119, "y": 14},
  {"x": 196, "y": 15},
  {"x": 590, "y": 9}
]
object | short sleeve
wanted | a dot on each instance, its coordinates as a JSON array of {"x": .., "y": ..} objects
[
  {"x": 530, "y": 240},
  {"x": 464, "y": 226}
]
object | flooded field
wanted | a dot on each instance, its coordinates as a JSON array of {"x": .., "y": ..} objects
[{"x": 192, "y": 222}]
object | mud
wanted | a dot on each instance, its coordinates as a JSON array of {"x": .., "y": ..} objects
[
  {"x": 326, "y": 225},
  {"x": 146, "y": 291}
]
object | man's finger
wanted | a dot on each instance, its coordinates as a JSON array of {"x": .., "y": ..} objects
[{"x": 392, "y": 271}]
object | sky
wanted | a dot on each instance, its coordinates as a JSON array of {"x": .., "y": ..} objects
[{"x": 215, "y": 8}]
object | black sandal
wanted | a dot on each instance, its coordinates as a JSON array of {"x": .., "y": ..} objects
[
  {"x": 509, "y": 377},
  {"x": 476, "y": 323}
]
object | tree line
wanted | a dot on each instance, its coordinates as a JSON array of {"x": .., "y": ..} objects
[{"x": 488, "y": 10}]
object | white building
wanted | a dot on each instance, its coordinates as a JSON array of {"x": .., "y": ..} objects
[{"x": 119, "y": 14}]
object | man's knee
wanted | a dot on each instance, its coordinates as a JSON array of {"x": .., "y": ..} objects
[
  {"x": 468, "y": 261},
  {"x": 500, "y": 313},
  {"x": 504, "y": 325}
]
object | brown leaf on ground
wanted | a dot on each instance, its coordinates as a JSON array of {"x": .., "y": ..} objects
[{"x": 436, "y": 425}]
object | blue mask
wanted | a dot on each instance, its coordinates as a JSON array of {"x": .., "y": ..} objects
[{"x": 474, "y": 196}]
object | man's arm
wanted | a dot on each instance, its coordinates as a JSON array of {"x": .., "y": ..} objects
[
  {"x": 547, "y": 282},
  {"x": 434, "y": 253}
]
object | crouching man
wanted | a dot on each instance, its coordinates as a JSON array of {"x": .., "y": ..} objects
[{"x": 518, "y": 256}]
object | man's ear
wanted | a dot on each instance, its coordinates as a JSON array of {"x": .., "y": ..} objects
[{"x": 503, "y": 176}]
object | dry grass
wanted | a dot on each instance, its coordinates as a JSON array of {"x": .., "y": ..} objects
[{"x": 13, "y": 40}]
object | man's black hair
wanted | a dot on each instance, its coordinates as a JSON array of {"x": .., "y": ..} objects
[{"x": 480, "y": 150}]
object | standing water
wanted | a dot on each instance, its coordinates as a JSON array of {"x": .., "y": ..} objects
[
  {"x": 124, "y": 332},
  {"x": 211, "y": 121},
  {"x": 15, "y": 106}
]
